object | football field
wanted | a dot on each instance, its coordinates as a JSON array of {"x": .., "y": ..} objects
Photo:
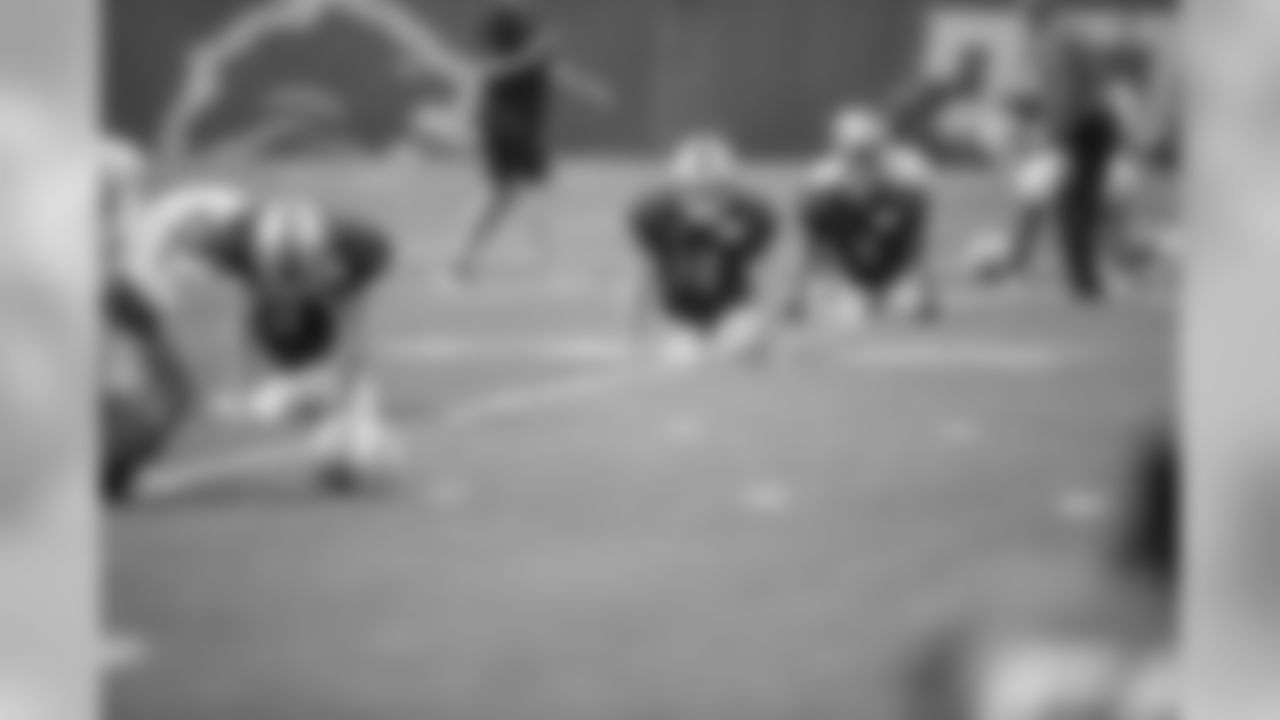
[{"x": 576, "y": 537}]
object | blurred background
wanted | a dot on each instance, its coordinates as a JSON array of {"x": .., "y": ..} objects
[{"x": 734, "y": 544}]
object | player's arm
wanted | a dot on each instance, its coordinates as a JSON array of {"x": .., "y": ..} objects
[
  {"x": 573, "y": 79},
  {"x": 366, "y": 255},
  {"x": 649, "y": 225}
]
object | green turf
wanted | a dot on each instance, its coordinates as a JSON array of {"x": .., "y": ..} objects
[{"x": 735, "y": 544}]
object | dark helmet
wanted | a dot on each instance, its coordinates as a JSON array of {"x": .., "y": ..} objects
[{"x": 509, "y": 27}]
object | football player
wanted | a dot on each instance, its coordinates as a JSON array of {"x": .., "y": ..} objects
[
  {"x": 307, "y": 276},
  {"x": 864, "y": 221},
  {"x": 702, "y": 235}
]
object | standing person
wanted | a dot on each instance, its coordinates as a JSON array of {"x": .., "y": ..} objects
[
  {"x": 517, "y": 88},
  {"x": 1086, "y": 131}
]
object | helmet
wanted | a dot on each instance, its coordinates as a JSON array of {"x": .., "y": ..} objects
[
  {"x": 289, "y": 225},
  {"x": 857, "y": 129},
  {"x": 701, "y": 159}
]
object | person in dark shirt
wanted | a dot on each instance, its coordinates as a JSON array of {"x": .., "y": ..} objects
[
  {"x": 307, "y": 276},
  {"x": 1088, "y": 134},
  {"x": 1096, "y": 642},
  {"x": 521, "y": 77},
  {"x": 864, "y": 219},
  {"x": 702, "y": 236}
]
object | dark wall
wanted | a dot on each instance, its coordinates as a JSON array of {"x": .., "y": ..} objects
[{"x": 770, "y": 71}]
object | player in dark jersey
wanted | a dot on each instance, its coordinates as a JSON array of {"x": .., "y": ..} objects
[
  {"x": 864, "y": 218},
  {"x": 521, "y": 77},
  {"x": 1093, "y": 644},
  {"x": 702, "y": 236},
  {"x": 307, "y": 276}
]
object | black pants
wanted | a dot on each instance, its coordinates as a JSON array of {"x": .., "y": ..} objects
[{"x": 1089, "y": 142}]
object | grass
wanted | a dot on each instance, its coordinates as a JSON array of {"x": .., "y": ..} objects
[{"x": 737, "y": 544}]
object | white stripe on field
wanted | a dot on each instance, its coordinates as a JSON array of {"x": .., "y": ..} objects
[
  {"x": 585, "y": 349},
  {"x": 548, "y": 395},
  {"x": 981, "y": 357},
  {"x": 523, "y": 399},
  {"x": 194, "y": 474}
]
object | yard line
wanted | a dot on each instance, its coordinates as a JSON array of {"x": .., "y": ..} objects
[
  {"x": 194, "y": 474},
  {"x": 584, "y": 349},
  {"x": 547, "y": 395},
  {"x": 981, "y": 356},
  {"x": 488, "y": 408}
]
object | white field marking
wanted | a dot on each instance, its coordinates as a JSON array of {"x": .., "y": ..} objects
[
  {"x": 961, "y": 433},
  {"x": 584, "y": 349},
  {"x": 124, "y": 653},
  {"x": 996, "y": 357},
  {"x": 193, "y": 474},
  {"x": 449, "y": 494},
  {"x": 1084, "y": 507},
  {"x": 542, "y": 396},
  {"x": 767, "y": 498},
  {"x": 686, "y": 429},
  {"x": 523, "y": 399}
]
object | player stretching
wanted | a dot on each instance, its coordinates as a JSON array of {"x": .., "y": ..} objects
[
  {"x": 864, "y": 220},
  {"x": 702, "y": 236},
  {"x": 518, "y": 86},
  {"x": 307, "y": 277}
]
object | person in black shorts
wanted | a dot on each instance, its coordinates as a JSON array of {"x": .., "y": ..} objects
[
  {"x": 521, "y": 76},
  {"x": 864, "y": 223},
  {"x": 307, "y": 276},
  {"x": 702, "y": 236}
]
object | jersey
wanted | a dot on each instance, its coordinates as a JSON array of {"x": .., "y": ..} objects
[
  {"x": 299, "y": 297},
  {"x": 873, "y": 235},
  {"x": 704, "y": 248}
]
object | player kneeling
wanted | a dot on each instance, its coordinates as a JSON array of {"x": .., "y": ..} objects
[
  {"x": 307, "y": 276},
  {"x": 147, "y": 395},
  {"x": 702, "y": 235},
  {"x": 864, "y": 219}
]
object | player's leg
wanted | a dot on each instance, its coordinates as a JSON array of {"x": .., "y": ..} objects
[
  {"x": 743, "y": 334},
  {"x": 685, "y": 331},
  {"x": 500, "y": 201},
  {"x": 1036, "y": 180},
  {"x": 352, "y": 442},
  {"x": 1082, "y": 204}
]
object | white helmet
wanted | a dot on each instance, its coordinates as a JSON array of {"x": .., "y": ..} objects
[
  {"x": 289, "y": 224},
  {"x": 702, "y": 159},
  {"x": 856, "y": 129}
]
